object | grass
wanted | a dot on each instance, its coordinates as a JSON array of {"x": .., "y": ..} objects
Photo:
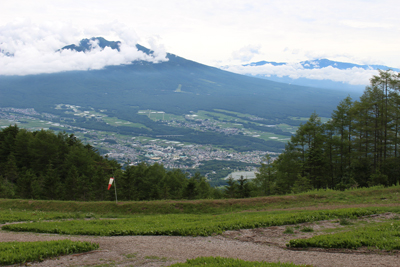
[
  {"x": 344, "y": 221},
  {"x": 384, "y": 236},
  {"x": 131, "y": 255},
  {"x": 22, "y": 252},
  {"x": 10, "y": 215},
  {"x": 190, "y": 224},
  {"x": 317, "y": 199},
  {"x": 288, "y": 230},
  {"x": 219, "y": 261},
  {"x": 307, "y": 229},
  {"x": 208, "y": 217}
]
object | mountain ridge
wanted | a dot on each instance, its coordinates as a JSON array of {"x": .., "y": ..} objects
[{"x": 323, "y": 63}]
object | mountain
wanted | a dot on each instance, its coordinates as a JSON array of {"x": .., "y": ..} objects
[
  {"x": 323, "y": 63},
  {"x": 323, "y": 81},
  {"x": 177, "y": 86},
  {"x": 87, "y": 44}
]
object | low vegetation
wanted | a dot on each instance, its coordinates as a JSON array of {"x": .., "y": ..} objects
[
  {"x": 383, "y": 236},
  {"x": 22, "y": 252},
  {"x": 190, "y": 225},
  {"x": 204, "y": 218},
  {"x": 218, "y": 261},
  {"x": 318, "y": 199},
  {"x": 19, "y": 216}
]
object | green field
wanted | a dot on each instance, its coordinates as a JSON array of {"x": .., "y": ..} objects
[
  {"x": 117, "y": 122},
  {"x": 156, "y": 115}
]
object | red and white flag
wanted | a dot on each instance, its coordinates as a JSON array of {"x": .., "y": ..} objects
[{"x": 110, "y": 183}]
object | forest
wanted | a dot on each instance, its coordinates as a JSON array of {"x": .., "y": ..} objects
[
  {"x": 357, "y": 147},
  {"x": 49, "y": 166}
]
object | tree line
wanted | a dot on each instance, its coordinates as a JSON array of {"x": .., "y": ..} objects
[
  {"x": 358, "y": 146},
  {"x": 49, "y": 166}
]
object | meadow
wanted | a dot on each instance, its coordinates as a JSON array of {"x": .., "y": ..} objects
[{"x": 213, "y": 217}]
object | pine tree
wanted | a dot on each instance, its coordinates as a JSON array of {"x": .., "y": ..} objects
[
  {"x": 265, "y": 178},
  {"x": 231, "y": 188}
]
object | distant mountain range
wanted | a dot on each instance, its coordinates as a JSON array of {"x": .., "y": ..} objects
[
  {"x": 323, "y": 63},
  {"x": 321, "y": 73},
  {"x": 176, "y": 86}
]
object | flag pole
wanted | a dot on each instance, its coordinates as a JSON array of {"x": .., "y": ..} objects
[{"x": 115, "y": 187}]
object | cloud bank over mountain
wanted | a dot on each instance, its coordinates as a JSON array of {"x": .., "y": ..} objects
[
  {"x": 354, "y": 76},
  {"x": 28, "y": 48},
  {"x": 323, "y": 69}
]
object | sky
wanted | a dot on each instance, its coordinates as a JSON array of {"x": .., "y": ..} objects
[{"x": 217, "y": 33}]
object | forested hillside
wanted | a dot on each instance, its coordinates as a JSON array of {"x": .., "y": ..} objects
[
  {"x": 359, "y": 146},
  {"x": 45, "y": 165}
]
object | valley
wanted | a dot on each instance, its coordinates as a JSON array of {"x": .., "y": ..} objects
[{"x": 133, "y": 149}]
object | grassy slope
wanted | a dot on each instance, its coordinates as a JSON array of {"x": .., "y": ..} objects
[{"x": 321, "y": 199}]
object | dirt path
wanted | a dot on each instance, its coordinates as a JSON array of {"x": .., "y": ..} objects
[{"x": 262, "y": 244}]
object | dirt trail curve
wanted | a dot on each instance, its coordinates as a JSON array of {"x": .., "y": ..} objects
[{"x": 166, "y": 250}]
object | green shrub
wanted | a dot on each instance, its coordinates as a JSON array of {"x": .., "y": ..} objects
[
  {"x": 307, "y": 229},
  {"x": 344, "y": 221},
  {"x": 21, "y": 252},
  {"x": 288, "y": 230}
]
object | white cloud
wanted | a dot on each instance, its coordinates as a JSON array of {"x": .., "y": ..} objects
[
  {"x": 353, "y": 76},
  {"x": 245, "y": 54},
  {"x": 33, "y": 48},
  {"x": 366, "y": 24},
  {"x": 209, "y": 31}
]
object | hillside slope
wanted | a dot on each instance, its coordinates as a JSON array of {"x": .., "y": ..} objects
[{"x": 176, "y": 86}]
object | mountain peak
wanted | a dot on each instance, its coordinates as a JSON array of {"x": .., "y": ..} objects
[{"x": 87, "y": 44}]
